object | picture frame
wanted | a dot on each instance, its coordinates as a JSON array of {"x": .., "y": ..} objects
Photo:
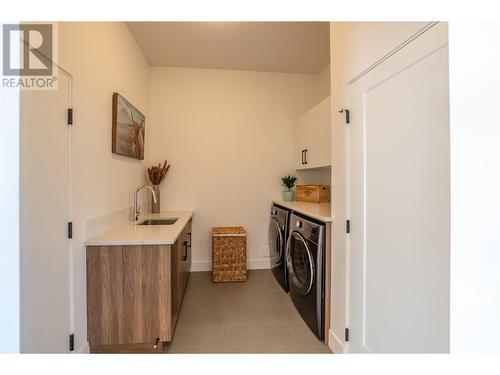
[{"x": 128, "y": 129}]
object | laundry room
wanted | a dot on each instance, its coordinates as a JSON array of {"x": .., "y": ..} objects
[{"x": 237, "y": 187}]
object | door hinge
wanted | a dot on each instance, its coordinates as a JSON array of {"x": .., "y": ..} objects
[
  {"x": 70, "y": 229},
  {"x": 347, "y": 115},
  {"x": 70, "y": 116},
  {"x": 346, "y": 335},
  {"x": 71, "y": 342},
  {"x": 348, "y": 226}
]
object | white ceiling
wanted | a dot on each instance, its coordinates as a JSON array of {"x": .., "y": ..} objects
[{"x": 291, "y": 47}]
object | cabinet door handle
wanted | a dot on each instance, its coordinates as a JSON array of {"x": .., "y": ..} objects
[
  {"x": 305, "y": 156},
  {"x": 190, "y": 240},
  {"x": 185, "y": 250}
]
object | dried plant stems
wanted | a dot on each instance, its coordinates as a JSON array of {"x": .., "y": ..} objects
[{"x": 158, "y": 173}]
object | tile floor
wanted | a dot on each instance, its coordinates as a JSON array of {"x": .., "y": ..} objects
[{"x": 252, "y": 317}]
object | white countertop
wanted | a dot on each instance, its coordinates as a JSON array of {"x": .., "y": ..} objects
[
  {"x": 318, "y": 211},
  {"x": 131, "y": 234}
]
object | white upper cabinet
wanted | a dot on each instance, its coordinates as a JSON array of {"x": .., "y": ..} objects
[{"x": 313, "y": 137}]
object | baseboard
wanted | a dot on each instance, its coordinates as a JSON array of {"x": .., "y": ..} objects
[
  {"x": 201, "y": 265},
  {"x": 252, "y": 264},
  {"x": 335, "y": 344},
  {"x": 259, "y": 264},
  {"x": 85, "y": 349}
]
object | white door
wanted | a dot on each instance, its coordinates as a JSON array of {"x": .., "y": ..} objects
[
  {"x": 45, "y": 283},
  {"x": 400, "y": 201}
]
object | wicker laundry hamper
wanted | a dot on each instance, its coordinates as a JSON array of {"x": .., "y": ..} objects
[{"x": 229, "y": 254}]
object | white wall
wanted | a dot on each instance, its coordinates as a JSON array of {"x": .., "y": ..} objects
[
  {"x": 229, "y": 138},
  {"x": 9, "y": 221},
  {"x": 475, "y": 187},
  {"x": 324, "y": 83},
  {"x": 103, "y": 58},
  {"x": 314, "y": 177},
  {"x": 354, "y": 46}
]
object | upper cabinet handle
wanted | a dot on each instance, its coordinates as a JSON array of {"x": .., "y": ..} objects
[{"x": 305, "y": 156}]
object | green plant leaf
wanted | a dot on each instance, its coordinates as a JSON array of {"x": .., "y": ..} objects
[{"x": 288, "y": 182}]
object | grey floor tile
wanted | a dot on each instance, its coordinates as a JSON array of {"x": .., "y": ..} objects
[
  {"x": 289, "y": 315},
  {"x": 200, "y": 276},
  {"x": 272, "y": 284},
  {"x": 201, "y": 298},
  {"x": 201, "y": 281},
  {"x": 255, "y": 316},
  {"x": 259, "y": 339},
  {"x": 324, "y": 349},
  {"x": 280, "y": 297},
  {"x": 247, "y": 297},
  {"x": 200, "y": 340},
  {"x": 201, "y": 317},
  {"x": 248, "y": 316},
  {"x": 303, "y": 336}
]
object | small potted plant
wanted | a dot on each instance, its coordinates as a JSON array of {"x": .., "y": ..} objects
[{"x": 288, "y": 182}]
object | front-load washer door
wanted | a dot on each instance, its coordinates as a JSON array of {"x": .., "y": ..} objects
[
  {"x": 300, "y": 264},
  {"x": 275, "y": 242}
]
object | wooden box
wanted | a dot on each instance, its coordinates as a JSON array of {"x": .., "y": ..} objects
[{"x": 312, "y": 193}]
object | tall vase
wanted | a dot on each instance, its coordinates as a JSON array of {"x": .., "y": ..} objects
[{"x": 155, "y": 207}]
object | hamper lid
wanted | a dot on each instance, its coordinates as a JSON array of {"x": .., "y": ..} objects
[{"x": 229, "y": 231}]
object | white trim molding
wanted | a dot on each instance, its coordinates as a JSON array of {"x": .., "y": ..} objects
[
  {"x": 335, "y": 344},
  {"x": 85, "y": 349}
]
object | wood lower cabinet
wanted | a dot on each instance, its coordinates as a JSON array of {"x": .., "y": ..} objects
[
  {"x": 134, "y": 294},
  {"x": 181, "y": 267},
  {"x": 186, "y": 260},
  {"x": 176, "y": 290}
]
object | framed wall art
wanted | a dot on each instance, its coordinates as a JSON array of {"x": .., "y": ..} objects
[{"x": 129, "y": 129}]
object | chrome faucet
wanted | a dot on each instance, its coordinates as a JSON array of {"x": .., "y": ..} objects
[{"x": 137, "y": 209}]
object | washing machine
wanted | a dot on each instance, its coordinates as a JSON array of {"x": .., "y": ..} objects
[
  {"x": 278, "y": 233},
  {"x": 305, "y": 256}
]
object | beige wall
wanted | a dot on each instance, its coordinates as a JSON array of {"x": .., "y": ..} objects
[
  {"x": 354, "y": 46},
  {"x": 229, "y": 138},
  {"x": 103, "y": 58}
]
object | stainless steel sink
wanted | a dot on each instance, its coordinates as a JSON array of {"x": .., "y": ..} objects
[{"x": 159, "y": 222}]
